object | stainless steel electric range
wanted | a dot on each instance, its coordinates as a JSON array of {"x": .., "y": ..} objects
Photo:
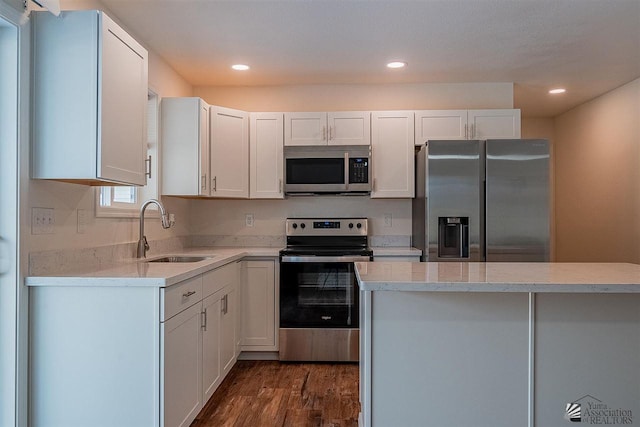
[{"x": 319, "y": 305}]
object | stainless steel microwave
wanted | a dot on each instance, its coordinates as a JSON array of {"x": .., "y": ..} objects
[{"x": 327, "y": 169}]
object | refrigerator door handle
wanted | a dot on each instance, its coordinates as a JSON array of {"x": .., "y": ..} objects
[{"x": 464, "y": 241}]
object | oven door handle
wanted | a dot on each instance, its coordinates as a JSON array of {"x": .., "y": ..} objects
[{"x": 293, "y": 258}]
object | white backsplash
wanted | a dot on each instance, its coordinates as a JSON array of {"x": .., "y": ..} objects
[{"x": 90, "y": 259}]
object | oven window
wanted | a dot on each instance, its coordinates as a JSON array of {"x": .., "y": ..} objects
[
  {"x": 318, "y": 295},
  {"x": 324, "y": 287},
  {"x": 315, "y": 171}
]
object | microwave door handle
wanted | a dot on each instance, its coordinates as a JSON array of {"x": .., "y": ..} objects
[{"x": 346, "y": 171}]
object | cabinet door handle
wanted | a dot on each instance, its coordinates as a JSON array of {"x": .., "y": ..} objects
[
  {"x": 330, "y": 133},
  {"x": 214, "y": 184},
  {"x": 280, "y": 186},
  {"x": 324, "y": 133},
  {"x": 225, "y": 304},
  {"x": 147, "y": 164},
  {"x": 473, "y": 131},
  {"x": 203, "y": 319},
  {"x": 188, "y": 294},
  {"x": 203, "y": 182},
  {"x": 466, "y": 136}
]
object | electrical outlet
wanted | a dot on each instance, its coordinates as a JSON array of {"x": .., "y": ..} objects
[
  {"x": 248, "y": 220},
  {"x": 42, "y": 221},
  {"x": 387, "y": 220}
]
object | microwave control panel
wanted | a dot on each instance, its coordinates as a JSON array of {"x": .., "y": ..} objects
[{"x": 358, "y": 170}]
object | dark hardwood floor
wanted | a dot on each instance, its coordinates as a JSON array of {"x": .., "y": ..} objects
[{"x": 266, "y": 393}]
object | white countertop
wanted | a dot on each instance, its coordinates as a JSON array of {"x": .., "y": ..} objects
[
  {"x": 141, "y": 273},
  {"x": 499, "y": 277}
]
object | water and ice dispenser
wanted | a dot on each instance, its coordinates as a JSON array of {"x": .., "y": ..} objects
[{"x": 453, "y": 237}]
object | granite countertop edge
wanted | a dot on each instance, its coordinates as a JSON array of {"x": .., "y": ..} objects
[
  {"x": 136, "y": 272},
  {"x": 499, "y": 277}
]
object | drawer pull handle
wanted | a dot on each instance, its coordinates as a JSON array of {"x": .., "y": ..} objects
[{"x": 188, "y": 294}]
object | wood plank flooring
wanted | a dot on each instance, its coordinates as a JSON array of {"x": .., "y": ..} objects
[{"x": 274, "y": 394}]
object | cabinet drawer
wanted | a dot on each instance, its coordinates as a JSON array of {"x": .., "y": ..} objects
[
  {"x": 217, "y": 279},
  {"x": 180, "y": 296}
]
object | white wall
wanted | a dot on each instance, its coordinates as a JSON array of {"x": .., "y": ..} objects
[
  {"x": 360, "y": 97},
  {"x": 598, "y": 179}
]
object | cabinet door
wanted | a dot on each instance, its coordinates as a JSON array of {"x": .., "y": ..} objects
[
  {"x": 392, "y": 148},
  {"x": 440, "y": 124},
  {"x": 305, "y": 129},
  {"x": 123, "y": 106},
  {"x": 258, "y": 306},
  {"x": 229, "y": 153},
  {"x": 182, "y": 367},
  {"x": 494, "y": 124},
  {"x": 89, "y": 100},
  {"x": 228, "y": 353},
  {"x": 211, "y": 368},
  {"x": 204, "y": 144},
  {"x": 266, "y": 144},
  {"x": 349, "y": 128},
  {"x": 185, "y": 147}
]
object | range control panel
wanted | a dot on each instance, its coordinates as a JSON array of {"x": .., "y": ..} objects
[{"x": 327, "y": 227}]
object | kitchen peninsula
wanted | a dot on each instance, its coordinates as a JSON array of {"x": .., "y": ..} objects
[{"x": 499, "y": 344}]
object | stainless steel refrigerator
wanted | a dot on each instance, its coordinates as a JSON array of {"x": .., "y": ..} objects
[{"x": 482, "y": 200}]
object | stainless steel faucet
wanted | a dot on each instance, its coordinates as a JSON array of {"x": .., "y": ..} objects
[{"x": 143, "y": 246}]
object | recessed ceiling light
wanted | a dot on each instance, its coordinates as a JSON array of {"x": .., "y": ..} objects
[
  {"x": 556, "y": 91},
  {"x": 397, "y": 64},
  {"x": 240, "y": 67}
]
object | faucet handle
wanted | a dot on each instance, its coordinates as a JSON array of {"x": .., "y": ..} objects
[{"x": 146, "y": 244}]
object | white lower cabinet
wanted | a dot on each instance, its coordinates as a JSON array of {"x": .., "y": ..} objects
[
  {"x": 211, "y": 373},
  {"x": 182, "y": 367},
  {"x": 131, "y": 355},
  {"x": 259, "y": 314}
]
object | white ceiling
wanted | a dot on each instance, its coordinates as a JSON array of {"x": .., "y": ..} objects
[{"x": 587, "y": 46}]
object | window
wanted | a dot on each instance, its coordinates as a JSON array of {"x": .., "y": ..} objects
[{"x": 125, "y": 202}]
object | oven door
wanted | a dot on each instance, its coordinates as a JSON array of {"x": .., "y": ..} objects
[{"x": 318, "y": 292}]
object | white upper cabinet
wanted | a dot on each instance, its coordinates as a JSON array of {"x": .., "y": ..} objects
[
  {"x": 90, "y": 100},
  {"x": 440, "y": 124},
  {"x": 339, "y": 128},
  {"x": 266, "y": 156},
  {"x": 185, "y": 147},
  {"x": 467, "y": 124},
  {"x": 349, "y": 128},
  {"x": 392, "y": 154},
  {"x": 305, "y": 128},
  {"x": 494, "y": 124},
  {"x": 229, "y": 151}
]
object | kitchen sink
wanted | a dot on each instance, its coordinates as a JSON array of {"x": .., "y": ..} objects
[{"x": 180, "y": 259}]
